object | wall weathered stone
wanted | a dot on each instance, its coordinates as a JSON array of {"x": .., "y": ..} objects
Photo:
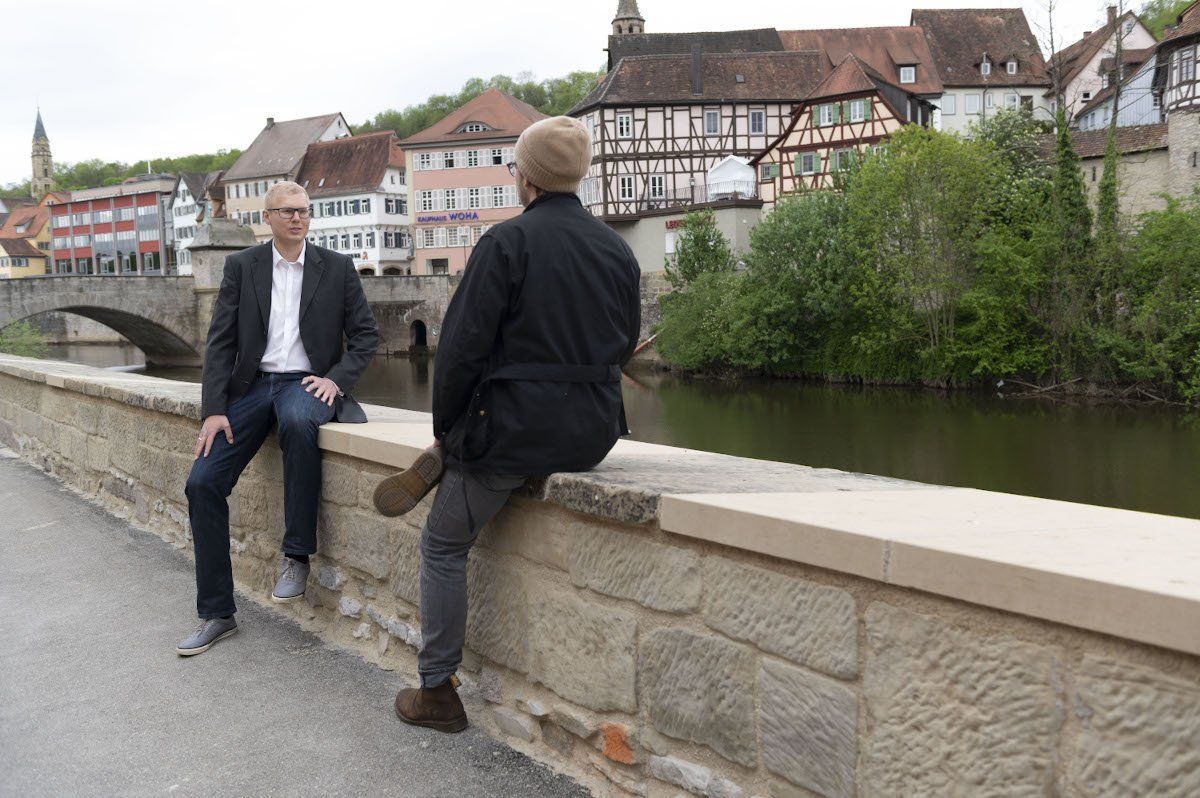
[{"x": 647, "y": 663}]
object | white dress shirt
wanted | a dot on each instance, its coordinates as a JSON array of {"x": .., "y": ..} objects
[{"x": 285, "y": 350}]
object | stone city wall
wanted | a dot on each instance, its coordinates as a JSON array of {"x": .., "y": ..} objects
[{"x": 648, "y": 662}]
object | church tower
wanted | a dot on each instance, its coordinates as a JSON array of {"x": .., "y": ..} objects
[
  {"x": 43, "y": 166},
  {"x": 628, "y": 19}
]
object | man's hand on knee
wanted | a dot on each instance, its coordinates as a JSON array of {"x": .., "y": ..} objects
[
  {"x": 212, "y": 426},
  {"x": 323, "y": 388}
]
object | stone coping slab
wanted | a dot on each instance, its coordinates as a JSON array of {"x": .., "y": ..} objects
[{"x": 1130, "y": 574}]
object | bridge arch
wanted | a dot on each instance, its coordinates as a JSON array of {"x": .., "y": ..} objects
[{"x": 156, "y": 314}]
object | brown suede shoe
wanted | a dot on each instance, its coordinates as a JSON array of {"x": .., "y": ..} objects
[
  {"x": 401, "y": 492},
  {"x": 433, "y": 707}
]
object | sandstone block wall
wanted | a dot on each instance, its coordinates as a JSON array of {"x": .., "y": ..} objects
[{"x": 651, "y": 664}]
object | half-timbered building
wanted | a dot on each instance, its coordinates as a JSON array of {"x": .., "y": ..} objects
[
  {"x": 659, "y": 123},
  {"x": 852, "y": 110},
  {"x": 1178, "y": 61}
]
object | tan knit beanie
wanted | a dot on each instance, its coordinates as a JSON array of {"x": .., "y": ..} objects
[{"x": 554, "y": 154}]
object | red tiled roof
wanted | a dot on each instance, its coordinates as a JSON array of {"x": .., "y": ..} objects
[
  {"x": 1186, "y": 24},
  {"x": 20, "y": 248},
  {"x": 657, "y": 79},
  {"x": 505, "y": 115},
  {"x": 627, "y": 45},
  {"x": 1133, "y": 138},
  {"x": 884, "y": 49},
  {"x": 958, "y": 38},
  {"x": 278, "y": 148},
  {"x": 35, "y": 216},
  {"x": 342, "y": 166},
  {"x": 849, "y": 77}
]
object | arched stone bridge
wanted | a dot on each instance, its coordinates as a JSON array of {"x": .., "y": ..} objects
[{"x": 167, "y": 318}]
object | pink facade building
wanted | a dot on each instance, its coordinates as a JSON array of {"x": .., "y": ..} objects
[{"x": 459, "y": 182}]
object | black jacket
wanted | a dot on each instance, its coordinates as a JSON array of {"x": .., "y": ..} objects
[
  {"x": 527, "y": 373},
  {"x": 331, "y": 303}
]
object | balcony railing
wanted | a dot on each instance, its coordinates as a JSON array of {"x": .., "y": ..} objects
[{"x": 701, "y": 193}]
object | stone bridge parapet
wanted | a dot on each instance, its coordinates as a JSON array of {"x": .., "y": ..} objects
[{"x": 676, "y": 622}]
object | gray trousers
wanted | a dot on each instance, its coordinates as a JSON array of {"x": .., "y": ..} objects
[{"x": 464, "y": 503}]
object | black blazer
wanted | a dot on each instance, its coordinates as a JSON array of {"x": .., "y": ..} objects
[{"x": 331, "y": 303}]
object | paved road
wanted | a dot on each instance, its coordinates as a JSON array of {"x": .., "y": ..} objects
[{"x": 94, "y": 700}]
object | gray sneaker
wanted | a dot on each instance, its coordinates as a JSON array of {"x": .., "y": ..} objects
[
  {"x": 292, "y": 582},
  {"x": 208, "y": 632}
]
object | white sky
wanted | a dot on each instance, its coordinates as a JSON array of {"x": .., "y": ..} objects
[{"x": 130, "y": 79}]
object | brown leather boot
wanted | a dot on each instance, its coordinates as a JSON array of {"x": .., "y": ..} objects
[
  {"x": 433, "y": 707},
  {"x": 399, "y": 493}
]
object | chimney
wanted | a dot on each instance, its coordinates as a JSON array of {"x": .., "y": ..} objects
[
  {"x": 270, "y": 122},
  {"x": 1087, "y": 33},
  {"x": 1112, "y": 14},
  {"x": 697, "y": 69}
]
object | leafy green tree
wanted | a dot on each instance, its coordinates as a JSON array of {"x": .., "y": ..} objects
[
  {"x": 1108, "y": 236},
  {"x": 22, "y": 338},
  {"x": 799, "y": 269},
  {"x": 917, "y": 215},
  {"x": 1072, "y": 216},
  {"x": 1158, "y": 14},
  {"x": 700, "y": 248},
  {"x": 694, "y": 334}
]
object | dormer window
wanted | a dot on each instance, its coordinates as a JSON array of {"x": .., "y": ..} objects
[
  {"x": 473, "y": 127},
  {"x": 1011, "y": 67},
  {"x": 985, "y": 68},
  {"x": 908, "y": 74},
  {"x": 1128, "y": 27}
]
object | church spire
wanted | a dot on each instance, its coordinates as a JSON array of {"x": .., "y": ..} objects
[
  {"x": 628, "y": 18},
  {"x": 43, "y": 164}
]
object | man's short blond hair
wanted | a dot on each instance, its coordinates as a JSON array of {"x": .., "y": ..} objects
[{"x": 281, "y": 189}]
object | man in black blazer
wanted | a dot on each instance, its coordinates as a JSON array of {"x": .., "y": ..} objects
[{"x": 274, "y": 357}]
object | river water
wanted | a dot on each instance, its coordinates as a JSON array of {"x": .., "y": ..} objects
[{"x": 1136, "y": 457}]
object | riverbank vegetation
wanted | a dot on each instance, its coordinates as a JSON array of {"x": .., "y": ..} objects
[
  {"x": 22, "y": 338},
  {"x": 951, "y": 261}
]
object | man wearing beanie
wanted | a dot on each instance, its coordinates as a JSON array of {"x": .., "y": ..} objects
[{"x": 527, "y": 382}]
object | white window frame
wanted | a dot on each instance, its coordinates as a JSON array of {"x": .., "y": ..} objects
[
  {"x": 625, "y": 126},
  {"x": 658, "y": 187},
  {"x": 813, "y": 159},
  {"x": 625, "y": 188},
  {"x": 858, "y": 110},
  {"x": 713, "y": 115},
  {"x": 1012, "y": 101},
  {"x": 908, "y": 74},
  {"x": 450, "y": 159},
  {"x": 472, "y": 158},
  {"x": 989, "y": 100},
  {"x": 971, "y": 99},
  {"x": 759, "y": 116},
  {"x": 1010, "y": 67},
  {"x": 825, "y": 114},
  {"x": 985, "y": 68},
  {"x": 949, "y": 105}
]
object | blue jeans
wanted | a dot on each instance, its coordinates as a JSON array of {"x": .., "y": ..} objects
[
  {"x": 273, "y": 399},
  {"x": 464, "y": 503}
]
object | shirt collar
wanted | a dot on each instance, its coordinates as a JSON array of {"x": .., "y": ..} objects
[{"x": 276, "y": 257}]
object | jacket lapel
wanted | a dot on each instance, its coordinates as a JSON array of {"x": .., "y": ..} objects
[
  {"x": 260, "y": 271},
  {"x": 314, "y": 269}
]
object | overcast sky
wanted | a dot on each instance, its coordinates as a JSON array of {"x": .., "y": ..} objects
[{"x": 130, "y": 79}]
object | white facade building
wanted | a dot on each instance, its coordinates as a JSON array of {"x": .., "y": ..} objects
[{"x": 359, "y": 193}]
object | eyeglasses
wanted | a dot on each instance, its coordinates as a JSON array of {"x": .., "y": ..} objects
[
  {"x": 512, "y": 168},
  {"x": 292, "y": 213}
]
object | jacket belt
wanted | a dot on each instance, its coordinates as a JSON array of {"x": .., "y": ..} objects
[{"x": 556, "y": 372}]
